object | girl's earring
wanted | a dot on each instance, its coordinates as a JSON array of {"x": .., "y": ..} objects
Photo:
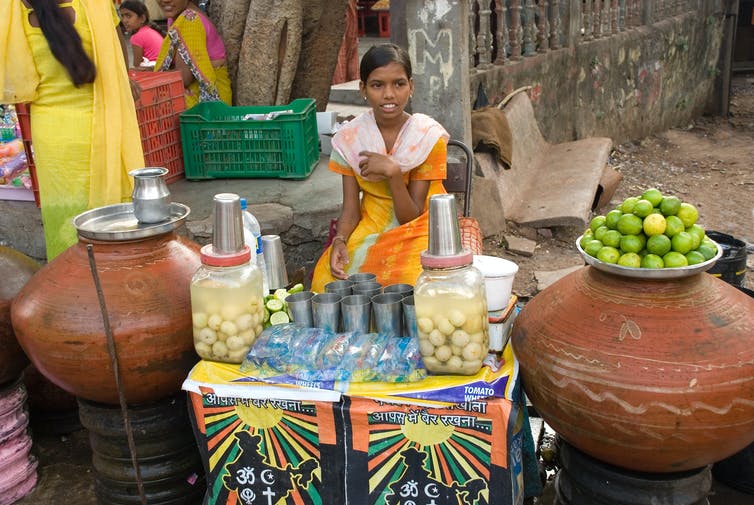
[{"x": 365, "y": 98}]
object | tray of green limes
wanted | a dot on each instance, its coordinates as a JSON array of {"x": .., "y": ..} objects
[{"x": 649, "y": 236}]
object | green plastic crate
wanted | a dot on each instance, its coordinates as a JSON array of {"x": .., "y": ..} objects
[{"x": 219, "y": 143}]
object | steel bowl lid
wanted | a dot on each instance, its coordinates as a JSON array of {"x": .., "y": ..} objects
[
  {"x": 116, "y": 223},
  {"x": 649, "y": 273}
]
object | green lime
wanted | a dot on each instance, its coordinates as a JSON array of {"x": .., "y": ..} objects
[
  {"x": 654, "y": 224},
  {"x": 596, "y": 222},
  {"x": 630, "y": 259},
  {"x": 632, "y": 243},
  {"x": 600, "y": 232},
  {"x": 695, "y": 257},
  {"x": 281, "y": 294},
  {"x": 274, "y": 305},
  {"x": 629, "y": 224},
  {"x": 612, "y": 238},
  {"x": 698, "y": 231},
  {"x": 643, "y": 208},
  {"x": 707, "y": 250},
  {"x": 682, "y": 242},
  {"x": 670, "y": 205},
  {"x": 652, "y": 261},
  {"x": 673, "y": 225},
  {"x": 628, "y": 204},
  {"x": 585, "y": 238},
  {"x": 279, "y": 318},
  {"x": 688, "y": 214},
  {"x": 592, "y": 247},
  {"x": 674, "y": 259},
  {"x": 608, "y": 254},
  {"x": 611, "y": 218},
  {"x": 653, "y": 195},
  {"x": 297, "y": 288},
  {"x": 658, "y": 245},
  {"x": 696, "y": 240}
]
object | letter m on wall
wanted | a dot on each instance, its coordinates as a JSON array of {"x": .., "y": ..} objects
[{"x": 432, "y": 56}]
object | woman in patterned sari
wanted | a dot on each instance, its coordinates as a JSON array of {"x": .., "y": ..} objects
[
  {"x": 396, "y": 160},
  {"x": 194, "y": 47}
]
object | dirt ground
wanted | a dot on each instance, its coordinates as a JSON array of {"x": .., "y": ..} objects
[{"x": 707, "y": 163}]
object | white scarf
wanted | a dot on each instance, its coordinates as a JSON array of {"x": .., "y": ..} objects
[{"x": 415, "y": 141}]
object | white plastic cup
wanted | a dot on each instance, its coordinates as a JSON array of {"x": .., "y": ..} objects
[{"x": 498, "y": 280}]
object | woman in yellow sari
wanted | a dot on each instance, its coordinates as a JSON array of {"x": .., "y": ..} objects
[
  {"x": 396, "y": 160},
  {"x": 66, "y": 58},
  {"x": 194, "y": 47}
]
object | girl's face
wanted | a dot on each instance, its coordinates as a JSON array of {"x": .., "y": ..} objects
[
  {"x": 387, "y": 91},
  {"x": 131, "y": 21},
  {"x": 173, "y": 8}
]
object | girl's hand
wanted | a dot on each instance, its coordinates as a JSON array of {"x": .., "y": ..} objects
[
  {"x": 339, "y": 259},
  {"x": 377, "y": 167}
]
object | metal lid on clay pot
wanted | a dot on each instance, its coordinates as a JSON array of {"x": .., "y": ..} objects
[{"x": 116, "y": 223}]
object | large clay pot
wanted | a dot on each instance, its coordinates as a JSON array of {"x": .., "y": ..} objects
[
  {"x": 145, "y": 283},
  {"x": 649, "y": 375},
  {"x": 15, "y": 270}
]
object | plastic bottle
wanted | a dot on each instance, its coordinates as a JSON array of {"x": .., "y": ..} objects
[{"x": 252, "y": 233}]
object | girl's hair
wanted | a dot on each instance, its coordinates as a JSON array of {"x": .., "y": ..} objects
[
  {"x": 140, "y": 9},
  {"x": 381, "y": 55},
  {"x": 65, "y": 43}
]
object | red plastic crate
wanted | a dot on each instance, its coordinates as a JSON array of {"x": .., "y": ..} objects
[
  {"x": 24, "y": 122},
  {"x": 158, "y": 110}
]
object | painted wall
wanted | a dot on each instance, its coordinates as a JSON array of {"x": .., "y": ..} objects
[
  {"x": 436, "y": 42},
  {"x": 626, "y": 86},
  {"x": 623, "y": 86}
]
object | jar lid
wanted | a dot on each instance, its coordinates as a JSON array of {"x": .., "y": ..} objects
[
  {"x": 446, "y": 261},
  {"x": 118, "y": 223},
  {"x": 212, "y": 258},
  {"x": 492, "y": 266}
]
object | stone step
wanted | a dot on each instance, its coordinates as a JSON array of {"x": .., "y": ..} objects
[{"x": 346, "y": 93}]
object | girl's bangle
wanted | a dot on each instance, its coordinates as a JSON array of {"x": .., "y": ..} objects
[{"x": 339, "y": 237}]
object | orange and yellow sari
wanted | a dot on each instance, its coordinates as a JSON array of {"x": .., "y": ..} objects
[{"x": 379, "y": 244}]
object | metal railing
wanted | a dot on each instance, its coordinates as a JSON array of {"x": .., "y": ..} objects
[{"x": 505, "y": 31}]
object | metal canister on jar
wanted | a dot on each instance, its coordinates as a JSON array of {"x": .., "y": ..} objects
[{"x": 450, "y": 299}]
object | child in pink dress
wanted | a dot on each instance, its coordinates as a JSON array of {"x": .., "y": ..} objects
[{"x": 146, "y": 37}]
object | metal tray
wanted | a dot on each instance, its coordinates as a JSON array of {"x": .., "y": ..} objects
[
  {"x": 118, "y": 222},
  {"x": 650, "y": 273}
]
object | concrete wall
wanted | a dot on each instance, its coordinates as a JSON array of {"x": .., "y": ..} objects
[
  {"x": 298, "y": 211},
  {"x": 437, "y": 41},
  {"x": 625, "y": 86}
]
